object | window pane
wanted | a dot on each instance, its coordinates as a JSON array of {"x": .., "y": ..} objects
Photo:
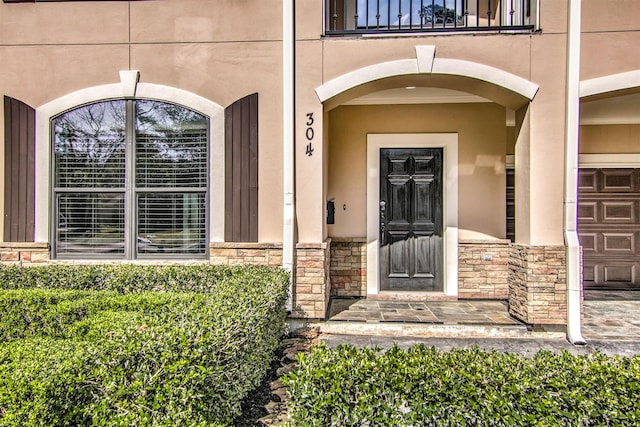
[
  {"x": 171, "y": 223},
  {"x": 89, "y": 146},
  {"x": 171, "y": 146},
  {"x": 90, "y": 223}
]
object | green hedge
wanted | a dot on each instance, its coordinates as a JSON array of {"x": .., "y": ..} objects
[
  {"x": 131, "y": 278},
  {"x": 152, "y": 346},
  {"x": 426, "y": 387}
]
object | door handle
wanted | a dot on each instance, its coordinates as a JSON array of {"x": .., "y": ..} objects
[{"x": 383, "y": 218}]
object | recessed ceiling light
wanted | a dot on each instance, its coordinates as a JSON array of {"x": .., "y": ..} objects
[{"x": 410, "y": 87}]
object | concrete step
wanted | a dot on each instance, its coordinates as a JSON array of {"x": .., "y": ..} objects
[{"x": 430, "y": 330}]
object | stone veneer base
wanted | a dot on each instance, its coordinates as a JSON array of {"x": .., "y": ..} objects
[
  {"x": 532, "y": 278},
  {"x": 348, "y": 267},
  {"x": 483, "y": 269},
  {"x": 538, "y": 284}
]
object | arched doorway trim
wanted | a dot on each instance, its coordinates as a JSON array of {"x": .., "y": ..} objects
[
  {"x": 426, "y": 63},
  {"x": 610, "y": 83}
]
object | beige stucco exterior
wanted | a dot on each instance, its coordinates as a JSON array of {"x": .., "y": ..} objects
[
  {"x": 186, "y": 45},
  {"x": 222, "y": 50},
  {"x": 481, "y": 141},
  {"x": 610, "y": 139}
]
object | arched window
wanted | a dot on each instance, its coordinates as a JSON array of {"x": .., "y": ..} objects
[{"x": 130, "y": 180}]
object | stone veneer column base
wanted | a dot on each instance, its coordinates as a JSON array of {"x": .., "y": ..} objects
[
  {"x": 348, "y": 268},
  {"x": 483, "y": 269},
  {"x": 538, "y": 284},
  {"x": 312, "y": 286}
]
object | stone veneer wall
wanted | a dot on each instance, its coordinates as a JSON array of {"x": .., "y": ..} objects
[
  {"x": 483, "y": 269},
  {"x": 538, "y": 284},
  {"x": 312, "y": 285},
  {"x": 348, "y": 269},
  {"x": 229, "y": 253},
  {"x": 26, "y": 253}
]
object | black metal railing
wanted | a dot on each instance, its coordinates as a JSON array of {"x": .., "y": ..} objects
[{"x": 404, "y": 16}]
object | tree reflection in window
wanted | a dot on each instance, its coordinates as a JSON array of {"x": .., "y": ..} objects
[
  {"x": 406, "y": 13},
  {"x": 164, "y": 212}
]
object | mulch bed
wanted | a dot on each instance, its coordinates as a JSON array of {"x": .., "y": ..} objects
[{"x": 267, "y": 404}]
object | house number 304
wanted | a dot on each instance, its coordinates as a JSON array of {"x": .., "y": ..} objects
[{"x": 309, "y": 133}]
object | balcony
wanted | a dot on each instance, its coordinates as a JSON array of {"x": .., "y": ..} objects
[{"x": 359, "y": 17}]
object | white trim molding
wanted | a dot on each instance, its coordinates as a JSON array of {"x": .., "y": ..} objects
[
  {"x": 596, "y": 161},
  {"x": 496, "y": 76},
  {"x": 129, "y": 87},
  {"x": 365, "y": 75},
  {"x": 449, "y": 143},
  {"x": 609, "y": 161},
  {"x": 426, "y": 63},
  {"x": 611, "y": 83}
]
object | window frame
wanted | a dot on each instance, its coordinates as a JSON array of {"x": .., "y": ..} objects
[{"x": 130, "y": 191}]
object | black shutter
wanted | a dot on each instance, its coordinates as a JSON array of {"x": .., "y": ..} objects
[
  {"x": 19, "y": 171},
  {"x": 241, "y": 170}
]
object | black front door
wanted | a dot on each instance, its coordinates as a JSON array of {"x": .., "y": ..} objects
[{"x": 411, "y": 219}]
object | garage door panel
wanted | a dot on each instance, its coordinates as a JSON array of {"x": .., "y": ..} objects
[
  {"x": 588, "y": 273},
  {"x": 587, "y": 212},
  {"x": 609, "y": 227},
  {"x": 587, "y": 181},
  {"x": 619, "y": 273},
  {"x": 612, "y": 275},
  {"x": 618, "y": 180},
  {"x": 589, "y": 242},
  {"x": 619, "y": 212},
  {"x": 619, "y": 243}
]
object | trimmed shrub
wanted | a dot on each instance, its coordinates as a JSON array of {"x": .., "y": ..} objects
[
  {"x": 134, "y": 352},
  {"x": 131, "y": 278},
  {"x": 426, "y": 387}
]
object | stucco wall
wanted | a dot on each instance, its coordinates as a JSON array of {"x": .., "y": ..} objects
[
  {"x": 482, "y": 140},
  {"x": 212, "y": 48},
  {"x": 609, "y": 139},
  {"x": 610, "y": 37}
]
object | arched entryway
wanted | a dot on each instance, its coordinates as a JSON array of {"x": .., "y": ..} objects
[{"x": 416, "y": 172}]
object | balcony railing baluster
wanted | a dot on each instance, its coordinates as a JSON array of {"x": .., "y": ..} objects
[
  {"x": 356, "y": 16},
  {"x": 334, "y": 17},
  {"x": 366, "y": 19},
  {"x": 411, "y": 14}
]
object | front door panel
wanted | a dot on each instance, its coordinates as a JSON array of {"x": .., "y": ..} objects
[{"x": 411, "y": 219}]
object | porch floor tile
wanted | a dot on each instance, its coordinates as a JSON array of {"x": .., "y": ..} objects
[
  {"x": 466, "y": 312},
  {"x": 609, "y": 316}
]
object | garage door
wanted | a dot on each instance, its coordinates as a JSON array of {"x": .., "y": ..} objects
[{"x": 609, "y": 227}]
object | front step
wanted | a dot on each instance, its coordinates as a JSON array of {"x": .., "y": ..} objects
[{"x": 430, "y": 330}]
